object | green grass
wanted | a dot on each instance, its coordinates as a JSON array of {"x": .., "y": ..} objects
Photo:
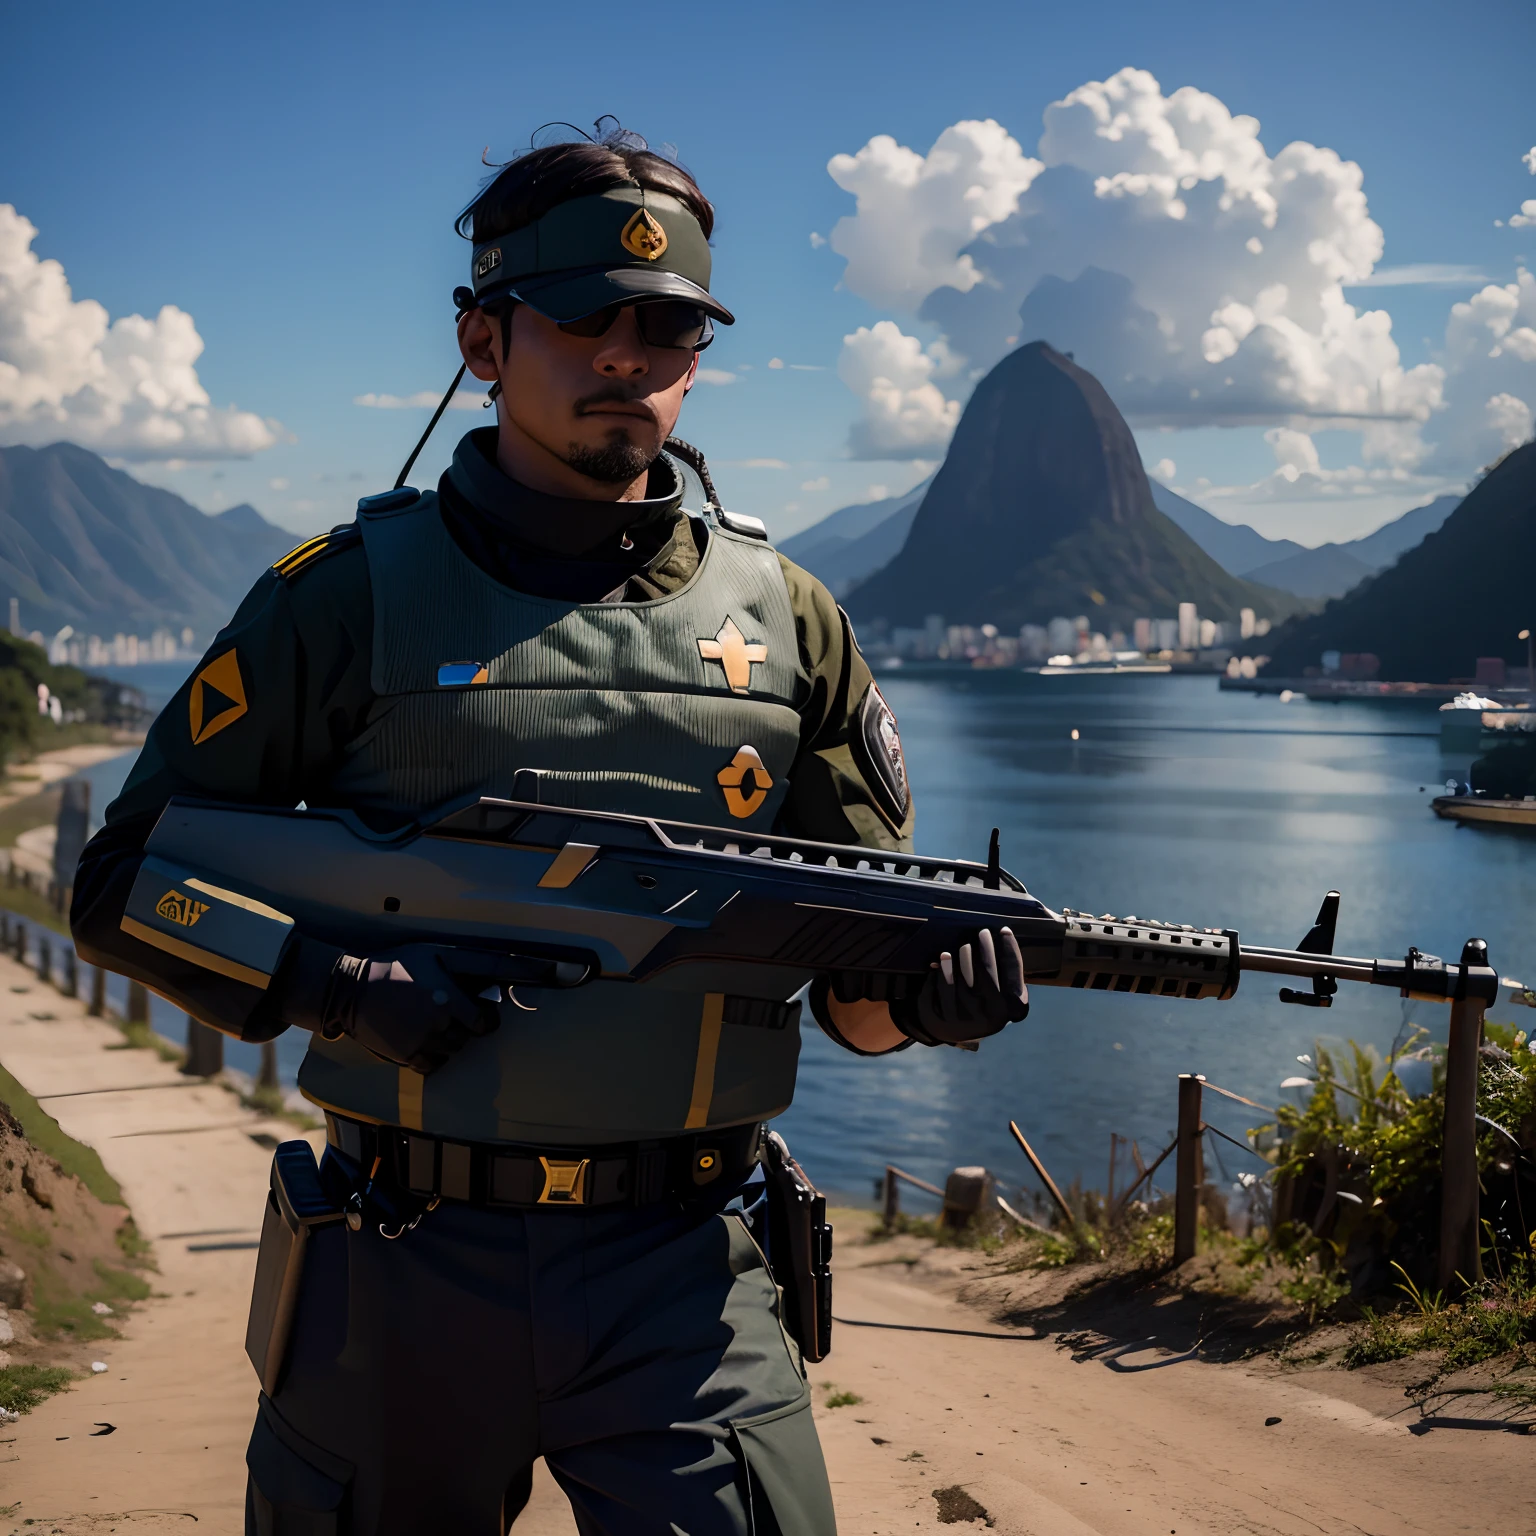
[
  {"x": 38, "y": 810},
  {"x": 23, "y": 1387},
  {"x": 843, "y": 1399},
  {"x": 45, "y": 1133}
]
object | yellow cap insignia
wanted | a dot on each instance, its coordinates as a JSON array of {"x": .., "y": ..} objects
[
  {"x": 178, "y": 908},
  {"x": 218, "y": 697},
  {"x": 644, "y": 237},
  {"x": 730, "y": 649},
  {"x": 745, "y": 783}
]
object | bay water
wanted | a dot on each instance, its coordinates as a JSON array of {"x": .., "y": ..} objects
[{"x": 1179, "y": 802}]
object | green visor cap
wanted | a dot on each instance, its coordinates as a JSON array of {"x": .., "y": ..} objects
[{"x": 621, "y": 246}]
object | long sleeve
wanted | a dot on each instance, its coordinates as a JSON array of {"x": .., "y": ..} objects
[
  {"x": 261, "y": 721},
  {"x": 848, "y": 783}
]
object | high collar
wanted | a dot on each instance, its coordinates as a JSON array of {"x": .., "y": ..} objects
[{"x": 567, "y": 527}]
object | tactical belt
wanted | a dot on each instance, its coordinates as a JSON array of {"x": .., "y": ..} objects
[{"x": 521, "y": 1177}]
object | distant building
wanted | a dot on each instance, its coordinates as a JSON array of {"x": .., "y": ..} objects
[
  {"x": 1142, "y": 635},
  {"x": 1061, "y": 635},
  {"x": 1034, "y": 643},
  {"x": 1189, "y": 627},
  {"x": 1245, "y": 624},
  {"x": 1167, "y": 634}
]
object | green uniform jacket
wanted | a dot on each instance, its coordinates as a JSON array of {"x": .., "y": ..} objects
[{"x": 273, "y": 731}]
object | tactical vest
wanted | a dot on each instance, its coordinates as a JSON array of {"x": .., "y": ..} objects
[{"x": 681, "y": 708}]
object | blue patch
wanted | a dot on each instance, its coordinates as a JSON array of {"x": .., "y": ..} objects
[{"x": 462, "y": 674}]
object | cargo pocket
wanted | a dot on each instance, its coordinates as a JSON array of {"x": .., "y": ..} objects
[
  {"x": 787, "y": 1488},
  {"x": 295, "y": 1488}
]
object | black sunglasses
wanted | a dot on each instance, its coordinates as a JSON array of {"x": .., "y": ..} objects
[{"x": 662, "y": 323}]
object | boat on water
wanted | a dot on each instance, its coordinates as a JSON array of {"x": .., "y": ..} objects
[{"x": 1483, "y": 808}]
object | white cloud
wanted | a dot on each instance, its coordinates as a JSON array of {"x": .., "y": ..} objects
[
  {"x": 423, "y": 399},
  {"x": 128, "y": 388},
  {"x": 1526, "y": 217},
  {"x": 1165, "y": 470},
  {"x": 820, "y": 483},
  {"x": 807, "y": 368},
  {"x": 1201, "y": 278},
  {"x": 279, "y": 484},
  {"x": 717, "y": 376},
  {"x": 916, "y": 213},
  {"x": 817, "y": 241},
  {"x": 1489, "y": 354},
  {"x": 1295, "y": 452},
  {"x": 763, "y": 464},
  {"x": 905, "y": 413},
  {"x": 1423, "y": 274},
  {"x": 1528, "y": 160},
  {"x": 775, "y": 362},
  {"x": 876, "y": 492}
]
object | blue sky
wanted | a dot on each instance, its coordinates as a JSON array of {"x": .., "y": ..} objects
[{"x": 287, "y": 177}]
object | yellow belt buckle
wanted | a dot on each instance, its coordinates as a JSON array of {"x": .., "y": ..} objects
[{"x": 564, "y": 1183}]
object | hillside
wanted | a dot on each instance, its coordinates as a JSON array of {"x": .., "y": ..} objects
[
  {"x": 1042, "y": 507},
  {"x": 84, "y": 544},
  {"x": 1235, "y": 547},
  {"x": 1464, "y": 592},
  {"x": 854, "y": 542},
  {"x": 1329, "y": 570}
]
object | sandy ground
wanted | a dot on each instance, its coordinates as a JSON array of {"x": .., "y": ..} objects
[{"x": 1105, "y": 1438}]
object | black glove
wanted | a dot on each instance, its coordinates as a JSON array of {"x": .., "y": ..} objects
[
  {"x": 404, "y": 1006},
  {"x": 967, "y": 996}
]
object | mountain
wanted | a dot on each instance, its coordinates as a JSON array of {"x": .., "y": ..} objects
[
  {"x": 84, "y": 544},
  {"x": 1042, "y": 507},
  {"x": 1329, "y": 570},
  {"x": 1464, "y": 592},
  {"x": 1378, "y": 550},
  {"x": 853, "y": 542},
  {"x": 1234, "y": 547}
]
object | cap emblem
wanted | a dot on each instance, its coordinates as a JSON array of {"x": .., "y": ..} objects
[
  {"x": 487, "y": 261},
  {"x": 644, "y": 237}
]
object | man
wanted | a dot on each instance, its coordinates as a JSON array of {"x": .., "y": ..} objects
[{"x": 550, "y": 608}]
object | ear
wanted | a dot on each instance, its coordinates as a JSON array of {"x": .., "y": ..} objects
[
  {"x": 480, "y": 345},
  {"x": 693, "y": 371}
]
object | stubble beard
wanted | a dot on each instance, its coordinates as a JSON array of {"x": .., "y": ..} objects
[{"x": 617, "y": 462}]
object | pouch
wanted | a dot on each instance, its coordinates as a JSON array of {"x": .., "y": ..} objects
[{"x": 297, "y": 1203}]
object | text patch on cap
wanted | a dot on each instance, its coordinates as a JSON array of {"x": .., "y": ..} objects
[{"x": 488, "y": 262}]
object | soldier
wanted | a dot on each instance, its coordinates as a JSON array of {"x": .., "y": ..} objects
[{"x": 553, "y": 607}]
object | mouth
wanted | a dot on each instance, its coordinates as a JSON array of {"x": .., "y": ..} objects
[{"x": 633, "y": 410}]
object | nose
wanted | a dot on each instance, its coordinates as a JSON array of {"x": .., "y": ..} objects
[{"x": 623, "y": 353}]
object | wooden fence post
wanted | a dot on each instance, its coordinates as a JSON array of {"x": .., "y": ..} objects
[
  {"x": 1460, "y": 1238},
  {"x": 71, "y": 986},
  {"x": 98, "y": 1005},
  {"x": 44, "y": 957},
  {"x": 892, "y": 1196},
  {"x": 138, "y": 1003},
  {"x": 19, "y": 934},
  {"x": 1190, "y": 1174},
  {"x": 268, "y": 1076},
  {"x": 205, "y": 1050}
]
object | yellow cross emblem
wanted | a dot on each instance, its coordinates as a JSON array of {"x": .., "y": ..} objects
[{"x": 730, "y": 649}]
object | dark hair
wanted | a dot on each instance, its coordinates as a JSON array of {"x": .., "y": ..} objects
[{"x": 526, "y": 187}]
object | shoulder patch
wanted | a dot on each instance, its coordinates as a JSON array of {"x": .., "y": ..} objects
[
  {"x": 311, "y": 551},
  {"x": 739, "y": 522},
  {"x": 877, "y": 750}
]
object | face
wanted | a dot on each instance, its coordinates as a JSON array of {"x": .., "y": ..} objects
[{"x": 585, "y": 416}]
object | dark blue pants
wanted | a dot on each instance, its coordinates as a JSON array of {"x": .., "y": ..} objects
[{"x": 639, "y": 1353}]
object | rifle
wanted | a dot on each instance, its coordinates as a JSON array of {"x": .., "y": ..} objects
[{"x": 555, "y": 897}]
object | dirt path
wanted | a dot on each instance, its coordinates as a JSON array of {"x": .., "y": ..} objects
[{"x": 1047, "y": 1443}]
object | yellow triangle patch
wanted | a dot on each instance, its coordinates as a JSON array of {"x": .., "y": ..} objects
[{"x": 218, "y": 697}]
